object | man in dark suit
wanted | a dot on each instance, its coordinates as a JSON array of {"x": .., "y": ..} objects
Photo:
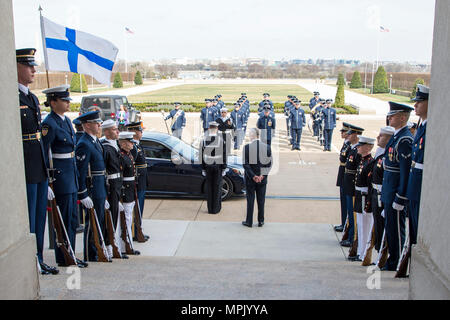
[
  {"x": 257, "y": 160},
  {"x": 34, "y": 158}
]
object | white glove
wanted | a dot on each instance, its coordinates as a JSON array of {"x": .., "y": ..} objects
[
  {"x": 106, "y": 204},
  {"x": 50, "y": 194},
  {"x": 382, "y": 214},
  {"x": 204, "y": 173},
  {"x": 121, "y": 208},
  {"x": 87, "y": 202},
  {"x": 397, "y": 206},
  {"x": 223, "y": 173}
]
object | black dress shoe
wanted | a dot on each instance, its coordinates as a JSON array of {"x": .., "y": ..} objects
[
  {"x": 52, "y": 270},
  {"x": 338, "y": 228},
  {"x": 353, "y": 258},
  {"x": 136, "y": 252},
  {"x": 260, "y": 224},
  {"x": 244, "y": 223},
  {"x": 124, "y": 256},
  {"x": 386, "y": 268},
  {"x": 146, "y": 237},
  {"x": 346, "y": 243},
  {"x": 82, "y": 264}
]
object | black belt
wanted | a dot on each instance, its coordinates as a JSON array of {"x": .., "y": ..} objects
[{"x": 350, "y": 171}]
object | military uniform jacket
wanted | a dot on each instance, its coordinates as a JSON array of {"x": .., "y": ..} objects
[
  {"x": 287, "y": 108},
  {"x": 351, "y": 166},
  {"x": 313, "y": 102},
  {"x": 397, "y": 164},
  {"x": 226, "y": 124},
  {"x": 317, "y": 115},
  {"x": 239, "y": 119},
  {"x": 261, "y": 104},
  {"x": 329, "y": 118},
  {"x": 343, "y": 155},
  {"x": 178, "y": 119},
  {"x": 59, "y": 137},
  {"x": 89, "y": 154},
  {"x": 208, "y": 115},
  {"x": 128, "y": 172},
  {"x": 213, "y": 151},
  {"x": 33, "y": 152},
  {"x": 362, "y": 179},
  {"x": 268, "y": 123},
  {"x": 141, "y": 166},
  {"x": 297, "y": 117},
  {"x": 415, "y": 174}
]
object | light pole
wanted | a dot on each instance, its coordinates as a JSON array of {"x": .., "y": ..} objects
[
  {"x": 65, "y": 76},
  {"x": 390, "y": 84}
]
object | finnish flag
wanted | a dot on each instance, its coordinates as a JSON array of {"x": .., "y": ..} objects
[{"x": 71, "y": 50}]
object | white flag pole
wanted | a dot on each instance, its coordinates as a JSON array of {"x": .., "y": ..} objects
[{"x": 44, "y": 48}]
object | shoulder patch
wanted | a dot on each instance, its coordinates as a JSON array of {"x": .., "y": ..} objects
[
  {"x": 44, "y": 129},
  {"x": 81, "y": 157}
]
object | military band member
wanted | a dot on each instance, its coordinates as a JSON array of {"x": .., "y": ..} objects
[
  {"x": 266, "y": 123},
  {"x": 178, "y": 120},
  {"x": 298, "y": 121},
  {"x": 239, "y": 119},
  {"x": 377, "y": 182},
  {"x": 266, "y": 99},
  {"x": 287, "y": 109},
  {"x": 246, "y": 108},
  {"x": 363, "y": 209},
  {"x": 128, "y": 190},
  {"x": 214, "y": 163},
  {"x": 317, "y": 120},
  {"x": 314, "y": 100},
  {"x": 59, "y": 142},
  {"x": 91, "y": 178},
  {"x": 140, "y": 164},
  {"x": 329, "y": 123},
  {"x": 340, "y": 177},
  {"x": 351, "y": 165},
  {"x": 36, "y": 176},
  {"x": 418, "y": 152},
  {"x": 208, "y": 114},
  {"x": 397, "y": 164}
]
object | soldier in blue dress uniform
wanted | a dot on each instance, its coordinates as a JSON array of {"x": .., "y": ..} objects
[
  {"x": 287, "y": 109},
  {"x": 36, "y": 176},
  {"x": 239, "y": 119},
  {"x": 208, "y": 114},
  {"x": 397, "y": 164},
  {"x": 298, "y": 121},
  {"x": 220, "y": 102},
  {"x": 418, "y": 151},
  {"x": 178, "y": 120},
  {"x": 59, "y": 141},
  {"x": 329, "y": 123},
  {"x": 266, "y": 123},
  {"x": 317, "y": 119},
  {"x": 314, "y": 100},
  {"x": 91, "y": 178},
  {"x": 266, "y": 99}
]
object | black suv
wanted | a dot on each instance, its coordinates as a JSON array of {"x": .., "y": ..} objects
[{"x": 109, "y": 106}]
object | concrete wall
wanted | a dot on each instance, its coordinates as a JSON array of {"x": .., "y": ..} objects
[
  {"x": 430, "y": 267},
  {"x": 18, "y": 269}
]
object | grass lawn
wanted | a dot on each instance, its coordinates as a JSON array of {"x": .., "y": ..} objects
[
  {"x": 230, "y": 93},
  {"x": 381, "y": 96}
]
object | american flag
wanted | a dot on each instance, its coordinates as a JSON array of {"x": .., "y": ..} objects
[
  {"x": 128, "y": 30},
  {"x": 383, "y": 29}
]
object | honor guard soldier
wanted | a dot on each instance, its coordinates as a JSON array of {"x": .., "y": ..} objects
[
  {"x": 340, "y": 177},
  {"x": 140, "y": 165},
  {"x": 351, "y": 165},
  {"x": 266, "y": 99},
  {"x": 239, "y": 119},
  {"x": 91, "y": 179},
  {"x": 397, "y": 164},
  {"x": 246, "y": 108},
  {"x": 220, "y": 102},
  {"x": 329, "y": 123},
  {"x": 226, "y": 127},
  {"x": 314, "y": 100},
  {"x": 298, "y": 121},
  {"x": 317, "y": 120},
  {"x": 178, "y": 120},
  {"x": 208, "y": 114},
  {"x": 377, "y": 182},
  {"x": 214, "y": 163},
  {"x": 287, "y": 110},
  {"x": 266, "y": 123},
  {"x": 127, "y": 165},
  {"x": 418, "y": 151},
  {"x": 36, "y": 176},
  {"x": 363, "y": 209},
  {"x": 78, "y": 133},
  {"x": 59, "y": 142}
]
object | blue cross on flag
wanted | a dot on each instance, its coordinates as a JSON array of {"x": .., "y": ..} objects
[{"x": 67, "y": 49}]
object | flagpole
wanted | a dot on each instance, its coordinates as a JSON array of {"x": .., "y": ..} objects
[
  {"x": 126, "y": 53},
  {"x": 44, "y": 48}
]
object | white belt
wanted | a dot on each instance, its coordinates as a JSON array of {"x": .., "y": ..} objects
[
  {"x": 418, "y": 166},
  {"x": 128, "y": 178},
  {"x": 377, "y": 186},
  {"x": 362, "y": 189},
  {"x": 113, "y": 176},
  {"x": 63, "y": 155}
]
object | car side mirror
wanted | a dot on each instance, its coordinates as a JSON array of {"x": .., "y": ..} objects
[{"x": 176, "y": 159}]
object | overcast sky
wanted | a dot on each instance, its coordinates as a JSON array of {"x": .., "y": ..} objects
[{"x": 272, "y": 29}]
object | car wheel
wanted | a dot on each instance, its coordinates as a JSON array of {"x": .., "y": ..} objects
[{"x": 227, "y": 188}]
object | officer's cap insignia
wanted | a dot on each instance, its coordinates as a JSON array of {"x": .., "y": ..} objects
[{"x": 44, "y": 130}]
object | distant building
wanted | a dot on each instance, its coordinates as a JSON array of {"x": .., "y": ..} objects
[{"x": 198, "y": 75}]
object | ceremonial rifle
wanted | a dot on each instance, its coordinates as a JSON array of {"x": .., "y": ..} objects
[
  {"x": 346, "y": 228},
  {"x": 402, "y": 266},
  {"x": 383, "y": 253},
  {"x": 367, "y": 259},
  {"x": 111, "y": 234},
  {"x": 125, "y": 235},
  {"x": 354, "y": 249},
  {"x": 99, "y": 242},
  {"x": 138, "y": 219}
]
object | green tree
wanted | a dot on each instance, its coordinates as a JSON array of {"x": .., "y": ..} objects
[
  {"x": 339, "y": 100},
  {"x": 138, "y": 78},
  {"x": 75, "y": 83},
  {"x": 118, "y": 83},
  {"x": 418, "y": 81},
  {"x": 340, "y": 79},
  {"x": 380, "y": 82},
  {"x": 356, "y": 80}
]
